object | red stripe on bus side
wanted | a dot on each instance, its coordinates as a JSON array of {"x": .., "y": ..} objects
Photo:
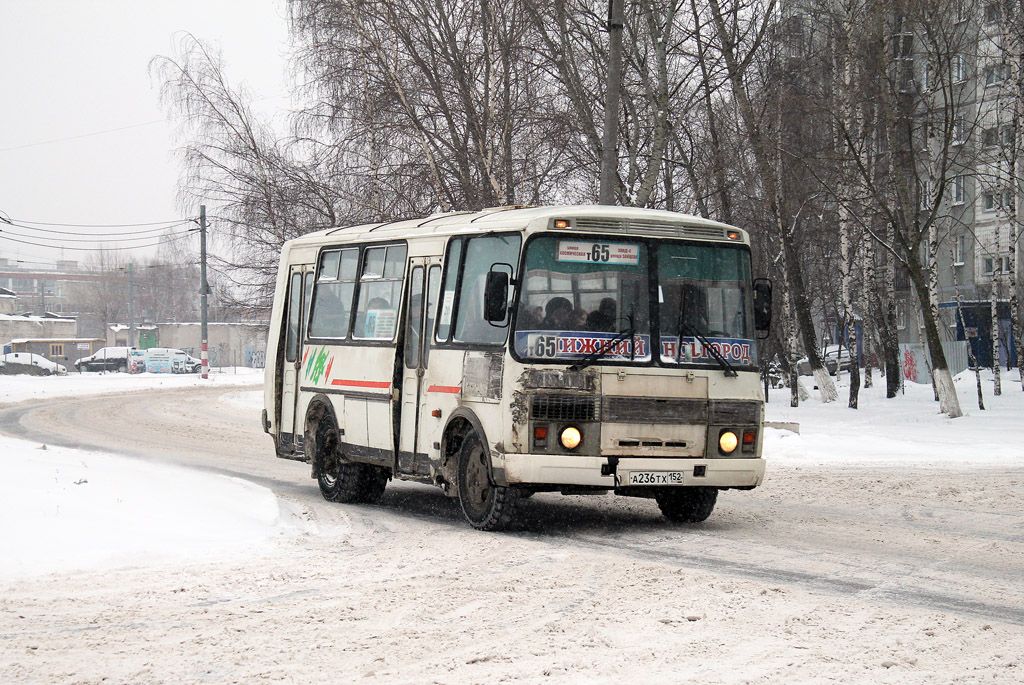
[
  {"x": 361, "y": 384},
  {"x": 454, "y": 389}
]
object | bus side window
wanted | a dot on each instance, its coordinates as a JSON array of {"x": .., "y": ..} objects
[
  {"x": 481, "y": 253},
  {"x": 433, "y": 283},
  {"x": 451, "y": 276},
  {"x": 380, "y": 292},
  {"x": 414, "y": 319},
  {"x": 294, "y": 312},
  {"x": 332, "y": 299}
]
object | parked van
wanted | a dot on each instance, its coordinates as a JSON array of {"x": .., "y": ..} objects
[{"x": 164, "y": 360}]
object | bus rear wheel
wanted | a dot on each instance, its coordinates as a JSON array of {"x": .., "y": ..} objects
[
  {"x": 487, "y": 506},
  {"x": 688, "y": 504},
  {"x": 340, "y": 480}
]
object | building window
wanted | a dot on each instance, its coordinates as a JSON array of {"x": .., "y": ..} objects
[
  {"x": 990, "y": 265},
  {"x": 989, "y": 201},
  {"x": 959, "y": 68},
  {"x": 902, "y": 45},
  {"x": 901, "y": 315},
  {"x": 990, "y": 137},
  {"x": 56, "y": 350},
  {"x": 958, "y": 190},
  {"x": 994, "y": 74},
  {"x": 958, "y": 250},
  {"x": 959, "y": 130},
  {"x": 993, "y": 12},
  {"x": 925, "y": 188}
]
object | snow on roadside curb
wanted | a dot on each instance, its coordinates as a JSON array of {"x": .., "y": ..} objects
[
  {"x": 907, "y": 429},
  {"x": 65, "y": 510},
  {"x": 22, "y": 388}
]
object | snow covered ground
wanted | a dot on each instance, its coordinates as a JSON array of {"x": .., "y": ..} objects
[
  {"x": 67, "y": 510},
  {"x": 237, "y": 585},
  {"x": 89, "y": 510},
  {"x": 907, "y": 429},
  {"x": 20, "y": 388}
]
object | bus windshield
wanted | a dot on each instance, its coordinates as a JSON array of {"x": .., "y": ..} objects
[
  {"x": 589, "y": 300},
  {"x": 704, "y": 291},
  {"x": 581, "y": 298}
]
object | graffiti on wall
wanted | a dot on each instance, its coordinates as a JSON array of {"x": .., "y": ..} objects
[{"x": 909, "y": 365}]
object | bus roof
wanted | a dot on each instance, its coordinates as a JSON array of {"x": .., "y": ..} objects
[{"x": 585, "y": 218}]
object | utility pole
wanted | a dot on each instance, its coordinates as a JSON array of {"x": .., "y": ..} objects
[
  {"x": 204, "y": 290},
  {"x": 131, "y": 304},
  {"x": 610, "y": 138}
]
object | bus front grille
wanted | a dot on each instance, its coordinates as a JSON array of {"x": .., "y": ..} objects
[
  {"x": 654, "y": 410},
  {"x": 564, "y": 408}
]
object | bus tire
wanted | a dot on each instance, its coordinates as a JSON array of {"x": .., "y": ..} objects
[
  {"x": 487, "y": 506},
  {"x": 340, "y": 480},
  {"x": 687, "y": 504}
]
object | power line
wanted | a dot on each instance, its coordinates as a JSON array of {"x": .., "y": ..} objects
[
  {"x": 5, "y": 236},
  {"x": 90, "y": 240},
  {"x": 152, "y": 223},
  {"x": 84, "y": 135},
  {"x": 111, "y": 235}
]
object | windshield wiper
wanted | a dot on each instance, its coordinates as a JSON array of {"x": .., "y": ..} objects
[
  {"x": 607, "y": 345},
  {"x": 684, "y": 328}
]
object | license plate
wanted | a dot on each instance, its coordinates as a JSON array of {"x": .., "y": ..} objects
[{"x": 655, "y": 477}]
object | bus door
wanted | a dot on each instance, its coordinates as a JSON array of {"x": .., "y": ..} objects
[
  {"x": 424, "y": 285},
  {"x": 300, "y": 283}
]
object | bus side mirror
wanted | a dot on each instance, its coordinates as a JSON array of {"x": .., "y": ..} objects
[
  {"x": 496, "y": 297},
  {"x": 762, "y": 304}
]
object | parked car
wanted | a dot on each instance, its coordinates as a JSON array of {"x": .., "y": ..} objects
[
  {"x": 27, "y": 362},
  {"x": 831, "y": 356},
  {"x": 105, "y": 359}
]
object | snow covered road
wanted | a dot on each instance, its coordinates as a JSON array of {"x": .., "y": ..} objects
[{"x": 862, "y": 572}]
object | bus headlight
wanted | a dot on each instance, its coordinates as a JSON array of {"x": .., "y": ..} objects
[
  {"x": 727, "y": 442},
  {"x": 570, "y": 437}
]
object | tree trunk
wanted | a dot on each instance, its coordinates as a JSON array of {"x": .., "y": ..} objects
[
  {"x": 867, "y": 261},
  {"x": 942, "y": 380},
  {"x": 889, "y": 331},
  {"x": 970, "y": 351}
]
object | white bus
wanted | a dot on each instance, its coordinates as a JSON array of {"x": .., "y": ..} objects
[{"x": 511, "y": 351}]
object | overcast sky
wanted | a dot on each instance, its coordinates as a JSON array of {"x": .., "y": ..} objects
[{"x": 83, "y": 139}]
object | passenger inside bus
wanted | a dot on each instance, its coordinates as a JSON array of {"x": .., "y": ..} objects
[
  {"x": 367, "y": 322},
  {"x": 603, "y": 318},
  {"x": 558, "y": 312}
]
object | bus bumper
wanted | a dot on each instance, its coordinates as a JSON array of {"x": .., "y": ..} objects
[{"x": 547, "y": 469}]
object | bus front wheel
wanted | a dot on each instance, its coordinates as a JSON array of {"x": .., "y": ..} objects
[
  {"x": 340, "y": 480},
  {"x": 487, "y": 506},
  {"x": 688, "y": 504}
]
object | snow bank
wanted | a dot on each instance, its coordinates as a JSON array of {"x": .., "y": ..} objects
[
  {"x": 21, "y": 388},
  {"x": 905, "y": 429},
  {"x": 65, "y": 510}
]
